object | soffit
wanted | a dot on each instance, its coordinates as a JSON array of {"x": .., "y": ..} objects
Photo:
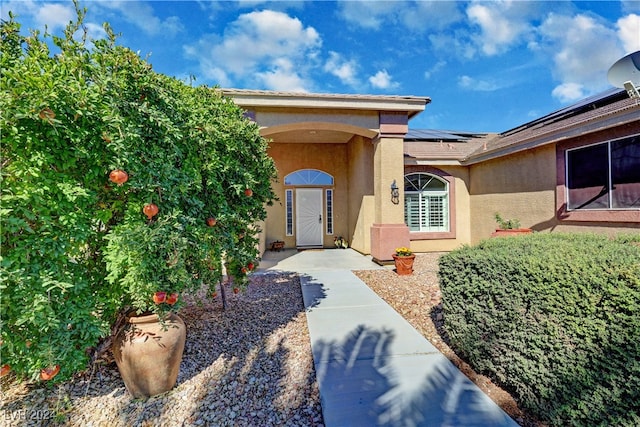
[
  {"x": 311, "y": 137},
  {"x": 316, "y": 132},
  {"x": 273, "y": 99}
]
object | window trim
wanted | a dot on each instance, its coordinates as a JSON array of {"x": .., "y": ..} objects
[
  {"x": 328, "y": 203},
  {"x": 451, "y": 183},
  {"x": 564, "y": 214},
  {"x": 427, "y": 194},
  {"x": 300, "y": 174},
  {"x": 288, "y": 212}
]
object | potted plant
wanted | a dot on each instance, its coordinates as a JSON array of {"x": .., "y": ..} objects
[
  {"x": 340, "y": 242},
  {"x": 403, "y": 259},
  {"x": 153, "y": 262},
  {"x": 509, "y": 227}
]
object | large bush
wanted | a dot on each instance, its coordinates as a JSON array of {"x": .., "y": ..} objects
[
  {"x": 77, "y": 248},
  {"x": 555, "y": 319}
]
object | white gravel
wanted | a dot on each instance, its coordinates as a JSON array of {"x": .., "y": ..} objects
[{"x": 248, "y": 365}]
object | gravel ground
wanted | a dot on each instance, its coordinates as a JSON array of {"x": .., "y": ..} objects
[{"x": 248, "y": 365}]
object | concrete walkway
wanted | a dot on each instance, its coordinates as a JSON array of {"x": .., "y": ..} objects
[{"x": 373, "y": 368}]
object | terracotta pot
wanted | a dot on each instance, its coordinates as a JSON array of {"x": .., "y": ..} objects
[
  {"x": 511, "y": 232},
  {"x": 404, "y": 264},
  {"x": 148, "y": 353}
]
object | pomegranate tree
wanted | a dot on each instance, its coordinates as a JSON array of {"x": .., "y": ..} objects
[{"x": 134, "y": 184}]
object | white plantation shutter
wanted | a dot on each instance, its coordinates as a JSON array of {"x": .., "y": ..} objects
[
  {"x": 426, "y": 203},
  {"x": 412, "y": 211}
]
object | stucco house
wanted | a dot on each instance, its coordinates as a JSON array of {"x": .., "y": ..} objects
[{"x": 349, "y": 166}]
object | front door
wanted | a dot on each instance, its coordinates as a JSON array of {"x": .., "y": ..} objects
[{"x": 309, "y": 216}]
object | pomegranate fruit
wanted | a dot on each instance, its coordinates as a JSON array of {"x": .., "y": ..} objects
[
  {"x": 159, "y": 297},
  {"x": 48, "y": 373},
  {"x": 118, "y": 176},
  {"x": 172, "y": 299},
  {"x": 150, "y": 210}
]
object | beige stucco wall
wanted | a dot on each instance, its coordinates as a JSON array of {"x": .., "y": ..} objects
[
  {"x": 523, "y": 186},
  {"x": 520, "y": 186},
  {"x": 360, "y": 204},
  {"x": 288, "y": 157}
]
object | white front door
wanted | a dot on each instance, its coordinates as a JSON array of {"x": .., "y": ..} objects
[{"x": 309, "y": 216}]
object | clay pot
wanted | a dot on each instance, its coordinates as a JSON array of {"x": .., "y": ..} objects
[
  {"x": 500, "y": 232},
  {"x": 148, "y": 353},
  {"x": 404, "y": 264}
]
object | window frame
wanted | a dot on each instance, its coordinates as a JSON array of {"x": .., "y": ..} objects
[
  {"x": 328, "y": 203},
  {"x": 451, "y": 185},
  {"x": 425, "y": 203},
  {"x": 563, "y": 213},
  {"x": 288, "y": 213}
]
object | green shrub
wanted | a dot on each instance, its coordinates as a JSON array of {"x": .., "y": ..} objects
[
  {"x": 555, "y": 318},
  {"x": 76, "y": 248}
]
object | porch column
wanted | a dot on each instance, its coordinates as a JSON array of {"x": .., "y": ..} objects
[{"x": 389, "y": 230}]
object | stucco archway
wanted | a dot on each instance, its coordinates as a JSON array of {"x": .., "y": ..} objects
[{"x": 316, "y": 132}]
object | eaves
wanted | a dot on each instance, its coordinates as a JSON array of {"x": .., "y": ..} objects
[{"x": 630, "y": 113}]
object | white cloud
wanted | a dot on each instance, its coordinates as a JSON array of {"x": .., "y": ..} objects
[
  {"x": 345, "y": 70},
  {"x": 18, "y": 8},
  {"x": 142, "y": 15},
  {"x": 369, "y": 14},
  {"x": 434, "y": 69},
  {"x": 419, "y": 16},
  {"x": 55, "y": 15},
  {"x": 629, "y": 32},
  {"x": 52, "y": 15},
  {"x": 453, "y": 45},
  {"x": 582, "y": 49},
  {"x": 282, "y": 77},
  {"x": 259, "y": 48},
  {"x": 382, "y": 80},
  {"x": 94, "y": 32},
  {"x": 569, "y": 92},
  {"x": 476, "y": 85},
  {"x": 430, "y": 15},
  {"x": 502, "y": 24}
]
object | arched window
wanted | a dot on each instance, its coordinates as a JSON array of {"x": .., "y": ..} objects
[
  {"x": 426, "y": 203},
  {"x": 308, "y": 177}
]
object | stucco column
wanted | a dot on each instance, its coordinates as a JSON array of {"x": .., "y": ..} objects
[{"x": 389, "y": 230}]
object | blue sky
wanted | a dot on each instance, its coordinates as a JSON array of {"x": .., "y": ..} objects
[{"x": 488, "y": 66}]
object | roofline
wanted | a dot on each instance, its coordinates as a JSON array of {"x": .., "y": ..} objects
[
  {"x": 590, "y": 103},
  {"x": 274, "y": 99},
  {"x": 627, "y": 115}
]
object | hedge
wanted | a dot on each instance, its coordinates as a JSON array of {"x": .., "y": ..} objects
[{"x": 555, "y": 319}]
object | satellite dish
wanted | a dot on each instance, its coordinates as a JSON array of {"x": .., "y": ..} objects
[{"x": 626, "y": 73}]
